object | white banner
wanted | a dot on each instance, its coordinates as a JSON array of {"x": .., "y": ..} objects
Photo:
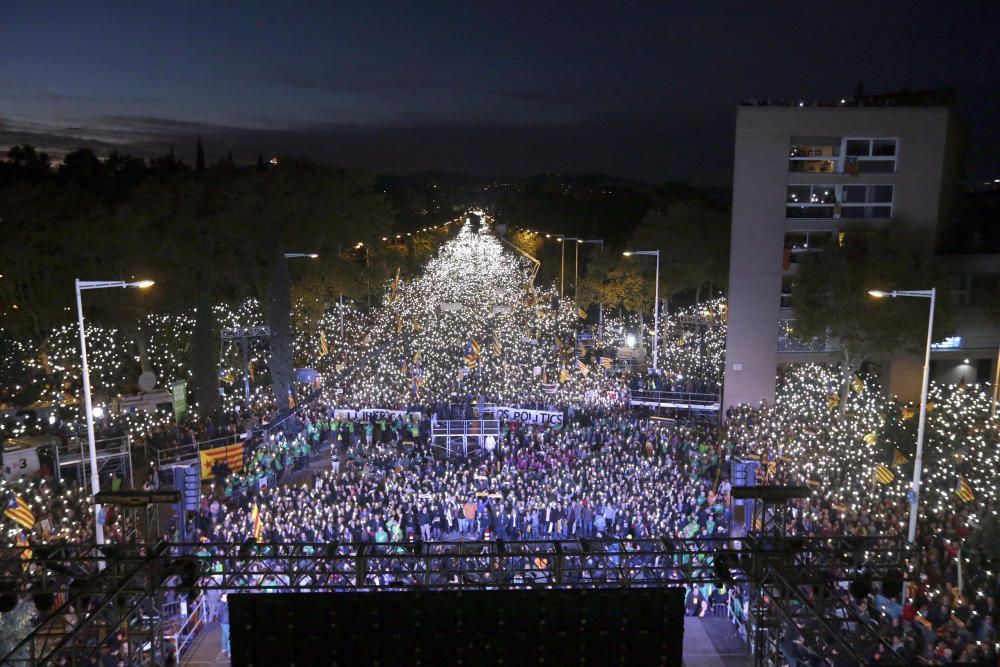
[
  {"x": 535, "y": 417},
  {"x": 365, "y": 413}
]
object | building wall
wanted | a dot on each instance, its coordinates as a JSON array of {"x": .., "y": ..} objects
[{"x": 760, "y": 181}]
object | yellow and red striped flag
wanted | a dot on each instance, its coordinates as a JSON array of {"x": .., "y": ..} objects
[
  {"x": 18, "y": 511},
  {"x": 964, "y": 491},
  {"x": 883, "y": 474},
  {"x": 257, "y": 523}
]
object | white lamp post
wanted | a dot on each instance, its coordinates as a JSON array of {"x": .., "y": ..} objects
[
  {"x": 656, "y": 305},
  {"x": 95, "y": 482},
  {"x": 918, "y": 461}
]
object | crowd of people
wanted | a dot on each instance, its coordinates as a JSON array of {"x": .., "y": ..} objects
[{"x": 610, "y": 474}]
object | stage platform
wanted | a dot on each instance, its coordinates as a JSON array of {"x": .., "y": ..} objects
[{"x": 708, "y": 642}]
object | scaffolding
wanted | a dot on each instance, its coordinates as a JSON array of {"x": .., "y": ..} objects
[{"x": 137, "y": 582}]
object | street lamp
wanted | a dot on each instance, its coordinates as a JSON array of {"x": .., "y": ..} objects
[
  {"x": 656, "y": 305},
  {"x": 95, "y": 482},
  {"x": 310, "y": 255},
  {"x": 919, "y": 459},
  {"x": 600, "y": 314},
  {"x": 562, "y": 260}
]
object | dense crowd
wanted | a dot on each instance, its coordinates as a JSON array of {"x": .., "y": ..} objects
[
  {"x": 612, "y": 476},
  {"x": 949, "y": 615}
]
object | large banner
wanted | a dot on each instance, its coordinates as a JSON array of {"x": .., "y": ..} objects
[
  {"x": 365, "y": 413},
  {"x": 534, "y": 417},
  {"x": 231, "y": 454}
]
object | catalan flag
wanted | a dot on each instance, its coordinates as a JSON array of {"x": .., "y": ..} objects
[
  {"x": 18, "y": 511},
  {"x": 964, "y": 491},
  {"x": 257, "y": 523},
  {"x": 606, "y": 362},
  {"x": 496, "y": 346},
  {"x": 582, "y": 367},
  {"x": 399, "y": 324},
  {"x": 899, "y": 459},
  {"x": 883, "y": 474},
  {"x": 471, "y": 361},
  {"x": 323, "y": 349},
  {"x": 26, "y": 552},
  {"x": 564, "y": 375},
  {"x": 395, "y": 286},
  {"x": 582, "y": 313},
  {"x": 474, "y": 344}
]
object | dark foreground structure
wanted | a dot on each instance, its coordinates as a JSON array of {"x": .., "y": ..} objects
[
  {"x": 455, "y": 627},
  {"x": 602, "y": 601}
]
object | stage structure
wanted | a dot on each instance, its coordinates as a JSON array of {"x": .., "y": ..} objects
[{"x": 130, "y": 584}]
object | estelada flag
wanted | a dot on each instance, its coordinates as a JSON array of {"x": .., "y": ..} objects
[
  {"x": 18, "y": 511},
  {"x": 582, "y": 367},
  {"x": 606, "y": 362},
  {"x": 231, "y": 454},
  {"x": 899, "y": 459}
]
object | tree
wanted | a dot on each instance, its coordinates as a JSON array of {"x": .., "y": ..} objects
[
  {"x": 830, "y": 299},
  {"x": 199, "y": 157},
  {"x": 693, "y": 240}
]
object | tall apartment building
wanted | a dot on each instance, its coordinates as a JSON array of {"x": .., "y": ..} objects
[{"x": 804, "y": 174}]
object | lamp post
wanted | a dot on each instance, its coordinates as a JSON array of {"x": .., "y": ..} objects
[
  {"x": 95, "y": 482},
  {"x": 656, "y": 305},
  {"x": 600, "y": 314},
  {"x": 282, "y": 366},
  {"x": 918, "y": 460},
  {"x": 562, "y": 261}
]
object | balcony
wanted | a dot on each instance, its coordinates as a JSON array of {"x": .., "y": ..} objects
[{"x": 787, "y": 342}]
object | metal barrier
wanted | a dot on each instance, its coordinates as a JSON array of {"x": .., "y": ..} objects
[
  {"x": 458, "y": 434},
  {"x": 683, "y": 400},
  {"x": 178, "y": 638},
  {"x": 111, "y": 453}
]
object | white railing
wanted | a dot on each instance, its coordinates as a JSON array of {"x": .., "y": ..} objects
[
  {"x": 460, "y": 433},
  {"x": 188, "y": 627}
]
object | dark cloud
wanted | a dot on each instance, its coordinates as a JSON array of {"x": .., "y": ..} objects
[
  {"x": 651, "y": 146},
  {"x": 405, "y": 87}
]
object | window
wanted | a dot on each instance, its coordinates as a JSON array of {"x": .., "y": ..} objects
[
  {"x": 799, "y": 244},
  {"x": 866, "y": 201},
  {"x": 869, "y": 156},
  {"x": 837, "y": 155},
  {"x": 787, "y": 342},
  {"x": 817, "y": 202},
  {"x": 811, "y": 201},
  {"x": 814, "y": 155}
]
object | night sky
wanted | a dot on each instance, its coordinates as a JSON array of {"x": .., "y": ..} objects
[{"x": 645, "y": 90}]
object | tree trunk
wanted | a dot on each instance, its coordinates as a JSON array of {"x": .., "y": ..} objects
[
  {"x": 848, "y": 370},
  {"x": 697, "y": 294},
  {"x": 281, "y": 332},
  {"x": 204, "y": 366}
]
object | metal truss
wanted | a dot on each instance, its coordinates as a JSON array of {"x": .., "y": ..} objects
[{"x": 127, "y": 587}]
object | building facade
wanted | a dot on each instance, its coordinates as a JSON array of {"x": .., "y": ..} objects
[{"x": 802, "y": 176}]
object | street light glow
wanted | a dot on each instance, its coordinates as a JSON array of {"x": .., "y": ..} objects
[
  {"x": 143, "y": 284},
  {"x": 627, "y": 253},
  {"x": 877, "y": 293}
]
